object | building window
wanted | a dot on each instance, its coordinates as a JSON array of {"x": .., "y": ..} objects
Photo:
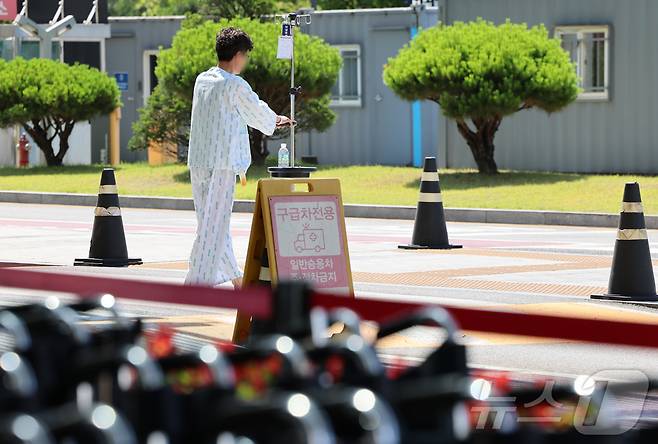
[
  {"x": 29, "y": 49},
  {"x": 347, "y": 89},
  {"x": 150, "y": 81},
  {"x": 7, "y": 49},
  {"x": 589, "y": 48}
]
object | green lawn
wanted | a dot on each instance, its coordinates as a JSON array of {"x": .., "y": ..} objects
[{"x": 368, "y": 184}]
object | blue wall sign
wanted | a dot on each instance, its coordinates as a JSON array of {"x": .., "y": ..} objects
[{"x": 122, "y": 80}]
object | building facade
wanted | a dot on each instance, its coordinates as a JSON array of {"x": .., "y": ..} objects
[
  {"x": 613, "y": 126},
  {"x": 81, "y": 42},
  {"x": 132, "y": 54},
  {"x": 610, "y": 128},
  {"x": 373, "y": 125}
]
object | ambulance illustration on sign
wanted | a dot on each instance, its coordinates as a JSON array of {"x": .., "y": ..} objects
[{"x": 310, "y": 239}]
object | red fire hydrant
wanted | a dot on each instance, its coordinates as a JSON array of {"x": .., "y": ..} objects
[{"x": 23, "y": 148}]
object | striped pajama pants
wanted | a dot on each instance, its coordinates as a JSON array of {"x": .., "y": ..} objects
[{"x": 212, "y": 261}]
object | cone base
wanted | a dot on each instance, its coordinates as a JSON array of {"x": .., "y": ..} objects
[
  {"x": 434, "y": 247},
  {"x": 95, "y": 262},
  {"x": 624, "y": 298}
]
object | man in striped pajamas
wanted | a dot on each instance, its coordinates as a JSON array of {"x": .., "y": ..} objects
[{"x": 222, "y": 107}]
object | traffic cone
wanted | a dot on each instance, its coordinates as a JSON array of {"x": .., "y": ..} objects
[
  {"x": 430, "y": 225},
  {"x": 108, "y": 240},
  {"x": 631, "y": 276}
]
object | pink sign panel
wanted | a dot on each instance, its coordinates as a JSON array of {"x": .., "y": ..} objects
[
  {"x": 308, "y": 241},
  {"x": 8, "y": 9}
]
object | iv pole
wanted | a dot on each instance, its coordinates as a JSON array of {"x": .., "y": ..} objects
[
  {"x": 293, "y": 93},
  {"x": 293, "y": 20}
]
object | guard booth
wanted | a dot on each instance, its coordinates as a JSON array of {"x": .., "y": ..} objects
[{"x": 81, "y": 38}]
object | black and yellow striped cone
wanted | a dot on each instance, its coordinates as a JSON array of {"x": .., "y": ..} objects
[
  {"x": 631, "y": 275},
  {"x": 430, "y": 230},
  {"x": 108, "y": 240}
]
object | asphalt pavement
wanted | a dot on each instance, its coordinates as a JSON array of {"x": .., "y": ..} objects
[{"x": 530, "y": 269}]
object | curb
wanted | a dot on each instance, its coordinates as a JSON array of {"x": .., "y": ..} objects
[{"x": 479, "y": 215}]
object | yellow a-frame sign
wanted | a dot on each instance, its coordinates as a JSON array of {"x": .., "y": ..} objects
[{"x": 297, "y": 233}]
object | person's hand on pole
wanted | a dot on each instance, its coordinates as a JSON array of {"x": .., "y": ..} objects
[{"x": 284, "y": 121}]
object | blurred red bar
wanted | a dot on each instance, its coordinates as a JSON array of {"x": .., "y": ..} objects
[
  {"x": 502, "y": 322},
  {"x": 255, "y": 301}
]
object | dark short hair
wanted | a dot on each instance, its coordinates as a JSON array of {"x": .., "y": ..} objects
[{"x": 230, "y": 41}]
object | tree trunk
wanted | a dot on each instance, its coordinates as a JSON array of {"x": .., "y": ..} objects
[
  {"x": 258, "y": 145},
  {"x": 40, "y": 136},
  {"x": 483, "y": 154},
  {"x": 64, "y": 135},
  {"x": 481, "y": 141},
  {"x": 53, "y": 161},
  {"x": 39, "y": 133}
]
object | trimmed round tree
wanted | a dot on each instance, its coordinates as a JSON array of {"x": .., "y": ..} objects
[
  {"x": 193, "y": 51},
  {"x": 47, "y": 97},
  {"x": 479, "y": 73}
]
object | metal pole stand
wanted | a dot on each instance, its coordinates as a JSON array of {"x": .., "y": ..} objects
[{"x": 292, "y": 20}]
